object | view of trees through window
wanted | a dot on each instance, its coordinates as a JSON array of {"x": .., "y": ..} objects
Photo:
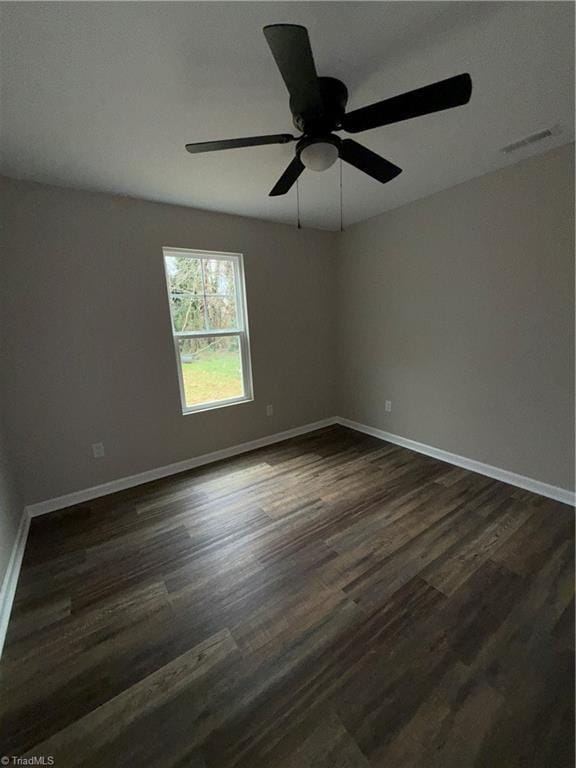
[
  {"x": 203, "y": 293},
  {"x": 203, "y": 303}
]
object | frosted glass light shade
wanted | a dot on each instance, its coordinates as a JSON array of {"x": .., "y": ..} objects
[{"x": 319, "y": 156}]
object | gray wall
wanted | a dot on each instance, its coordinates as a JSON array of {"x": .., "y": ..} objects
[
  {"x": 460, "y": 309},
  {"x": 10, "y": 506},
  {"x": 90, "y": 356}
]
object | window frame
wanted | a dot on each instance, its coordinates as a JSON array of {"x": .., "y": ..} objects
[{"x": 241, "y": 330}]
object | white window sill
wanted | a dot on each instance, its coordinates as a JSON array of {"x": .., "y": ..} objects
[{"x": 218, "y": 404}]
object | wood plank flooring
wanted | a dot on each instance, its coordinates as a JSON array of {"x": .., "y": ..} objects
[{"x": 332, "y": 601}]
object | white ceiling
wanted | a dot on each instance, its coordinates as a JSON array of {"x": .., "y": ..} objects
[{"x": 104, "y": 96}]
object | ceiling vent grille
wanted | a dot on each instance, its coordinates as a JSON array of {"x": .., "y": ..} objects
[{"x": 532, "y": 139}]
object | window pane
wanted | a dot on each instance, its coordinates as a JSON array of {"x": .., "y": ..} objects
[
  {"x": 184, "y": 274},
  {"x": 187, "y": 312},
  {"x": 219, "y": 279},
  {"x": 211, "y": 369},
  {"x": 221, "y": 313},
  {"x": 195, "y": 283}
]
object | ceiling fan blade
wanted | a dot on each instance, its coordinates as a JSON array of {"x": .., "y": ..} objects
[
  {"x": 368, "y": 161},
  {"x": 290, "y": 46},
  {"x": 444, "y": 94},
  {"x": 288, "y": 178},
  {"x": 249, "y": 141}
]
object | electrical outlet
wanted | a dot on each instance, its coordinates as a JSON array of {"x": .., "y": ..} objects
[
  {"x": 98, "y": 450},
  {"x": 388, "y": 406},
  {"x": 269, "y": 410}
]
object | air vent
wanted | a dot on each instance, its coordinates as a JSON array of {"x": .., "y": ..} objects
[{"x": 532, "y": 139}]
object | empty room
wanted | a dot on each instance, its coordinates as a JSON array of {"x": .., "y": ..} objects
[{"x": 287, "y": 384}]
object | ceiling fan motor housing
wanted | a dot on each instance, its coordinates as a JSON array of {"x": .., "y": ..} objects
[{"x": 334, "y": 99}]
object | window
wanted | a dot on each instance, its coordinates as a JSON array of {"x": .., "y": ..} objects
[{"x": 209, "y": 326}]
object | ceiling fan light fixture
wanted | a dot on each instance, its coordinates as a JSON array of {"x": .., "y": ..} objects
[{"x": 319, "y": 156}]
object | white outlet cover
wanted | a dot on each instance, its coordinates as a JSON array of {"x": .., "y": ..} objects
[
  {"x": 98, "y": 450},
  {"x": 388, "y": 405}
]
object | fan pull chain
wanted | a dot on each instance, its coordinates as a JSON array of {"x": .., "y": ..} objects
[
  {"x": 341, "y": 204},
  {"x": 298, "y": 224}
]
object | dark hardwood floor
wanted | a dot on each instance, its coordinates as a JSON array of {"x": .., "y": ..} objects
[{"x": 331, "y": 601}]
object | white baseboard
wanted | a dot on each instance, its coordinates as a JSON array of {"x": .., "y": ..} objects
[
  {"x": 10, "y": 581},
  {"x": 79, "y": 497},
  {"x": 520, "y": 481}
]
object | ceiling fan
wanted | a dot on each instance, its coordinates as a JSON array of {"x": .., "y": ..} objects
[{"x": 318, "y": 106}]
